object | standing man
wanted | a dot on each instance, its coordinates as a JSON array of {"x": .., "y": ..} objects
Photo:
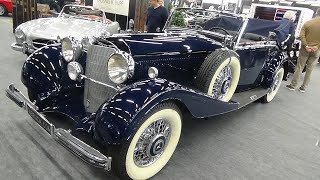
[
  {"x": 309, "y": 52},
  {"x": 157, "y": 16}
]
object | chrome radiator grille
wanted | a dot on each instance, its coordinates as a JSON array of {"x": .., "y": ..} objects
[{"x": 96, "y": 68}]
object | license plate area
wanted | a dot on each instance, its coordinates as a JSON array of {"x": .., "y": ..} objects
[{"x": 47, "y": 126}]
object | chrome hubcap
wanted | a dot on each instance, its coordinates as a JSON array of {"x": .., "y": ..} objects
[
  {"x": 152, "y": 143},
  {"x": 222, "y": 84}
]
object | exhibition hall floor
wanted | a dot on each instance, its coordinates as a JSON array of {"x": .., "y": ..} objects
[{"x": 260, "y": 141}]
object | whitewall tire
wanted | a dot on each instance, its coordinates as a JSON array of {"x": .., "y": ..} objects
[
  {"x": 152, "y": 145},
  {"x": 219, "y": 74},
  {"x": 275, "y": 86}
]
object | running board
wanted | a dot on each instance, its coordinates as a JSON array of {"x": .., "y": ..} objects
[
  {"x": 75, "y": 145},
  {"x": 247, "y": 97}
]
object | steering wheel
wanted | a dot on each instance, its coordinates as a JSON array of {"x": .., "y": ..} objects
[{"x": 219, "y": 28}]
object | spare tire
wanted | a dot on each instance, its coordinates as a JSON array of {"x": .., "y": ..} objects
[{"x": 219, "y": 74}]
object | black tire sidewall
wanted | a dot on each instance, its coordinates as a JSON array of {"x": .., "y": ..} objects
[{"x": 212, "y": 64}]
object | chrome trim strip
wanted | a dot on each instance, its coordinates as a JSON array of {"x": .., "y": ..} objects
[
  {"x": 245, "y": 23},
  {"x": 98, "y": 82},
  {"x": 17, "y": 47}
]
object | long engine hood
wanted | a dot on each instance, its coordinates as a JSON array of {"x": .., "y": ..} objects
[{"x": 144, "y": 44}]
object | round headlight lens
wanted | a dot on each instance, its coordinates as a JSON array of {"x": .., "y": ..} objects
[
  {"x": 19, "y": 34},
  {"x": 75, "y": 70},
  {"x": 67, "y": 49},
  {"x": 118, "y": 68}
]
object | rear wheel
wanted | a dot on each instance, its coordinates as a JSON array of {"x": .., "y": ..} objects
[
  {"x": 151, "y": 146},
  {"x": 274, "y": 87}
]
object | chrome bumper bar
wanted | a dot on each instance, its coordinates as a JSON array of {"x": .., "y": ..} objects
[
  {"x": 22, "y": 48},
  {"x": 75, "y": 145}
]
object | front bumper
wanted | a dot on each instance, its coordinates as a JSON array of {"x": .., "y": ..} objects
[
  {"x": 76, "y": 146},
  {"x": 24, "y": 48}
]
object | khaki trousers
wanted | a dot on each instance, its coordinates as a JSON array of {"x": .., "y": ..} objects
[{"x": 305, "y": 59}]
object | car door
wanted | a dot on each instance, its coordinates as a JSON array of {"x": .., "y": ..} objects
[
  {"x": 253, "y": 47},
  {"x": 252, "y": 59}
]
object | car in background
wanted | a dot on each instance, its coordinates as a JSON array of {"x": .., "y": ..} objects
[
  {"x": 5, "y": 7},
  {"x": 74, "y": 20},
  {"x": 128, "y": 92}
]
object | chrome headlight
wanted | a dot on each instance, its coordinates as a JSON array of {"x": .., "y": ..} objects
[
  {"x": 20, "y": 36},
  {"x": 75, "y": 71},
  {"x": 120, "y": 67},
  {"x": 71, "y": 49}
]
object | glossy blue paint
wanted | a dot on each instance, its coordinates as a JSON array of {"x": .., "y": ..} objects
[
  {"x": 252, "y": 62},
  {"x": 179, "y": 68},
  {"x": 270, "y": 68},
  {"x": 144, "y": 44},
  {"x": 45, "y": 75},
  {"x": 117, "y": 119}
]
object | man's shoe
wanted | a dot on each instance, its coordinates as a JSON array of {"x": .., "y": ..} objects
[
  {"x": 302, "y": 89},
  {"x": 290, "y": 87}
]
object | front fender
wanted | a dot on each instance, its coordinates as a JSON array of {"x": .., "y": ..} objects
[
  {"x": 271, "y": 67},
  {"x": 45, "y": 75},
  {"x": 117, "y": 119}
]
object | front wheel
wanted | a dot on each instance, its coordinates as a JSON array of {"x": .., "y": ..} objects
[
  {"x": 152, "y": 145},
  {"x": 274, "y": 87}
]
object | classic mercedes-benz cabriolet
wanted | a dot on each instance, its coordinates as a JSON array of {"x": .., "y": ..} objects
[
  {"x": 127, "y": 90},
  {"x": 73, "y": 20}
]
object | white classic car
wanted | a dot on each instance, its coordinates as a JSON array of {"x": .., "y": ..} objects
[{"x": 73, "y": 20}]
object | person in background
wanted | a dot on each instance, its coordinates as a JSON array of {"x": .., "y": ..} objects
[
  {"x": 157, "y": 16},
  {"x": 287, "y": 28},
  {"x": 309, "y": 52}
]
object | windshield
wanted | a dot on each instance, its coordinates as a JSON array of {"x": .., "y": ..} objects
[
  {"x": 82, "y": 12},
  {"x": 187, "y": 18}
]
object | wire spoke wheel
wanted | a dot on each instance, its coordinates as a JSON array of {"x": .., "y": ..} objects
[
  {"x": 152, "y": 143},
  {"x": 222, "y": 84}
]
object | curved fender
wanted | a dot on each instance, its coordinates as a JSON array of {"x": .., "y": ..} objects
[
  {"x": 270, "y": 68},
  {"x": 45, "y": 74},
  {"x": 117, "y": 119},
  {"x": 42, "y": 69}
]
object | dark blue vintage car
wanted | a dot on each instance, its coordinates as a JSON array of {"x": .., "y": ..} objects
[{"x": 127, "y": 91}]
